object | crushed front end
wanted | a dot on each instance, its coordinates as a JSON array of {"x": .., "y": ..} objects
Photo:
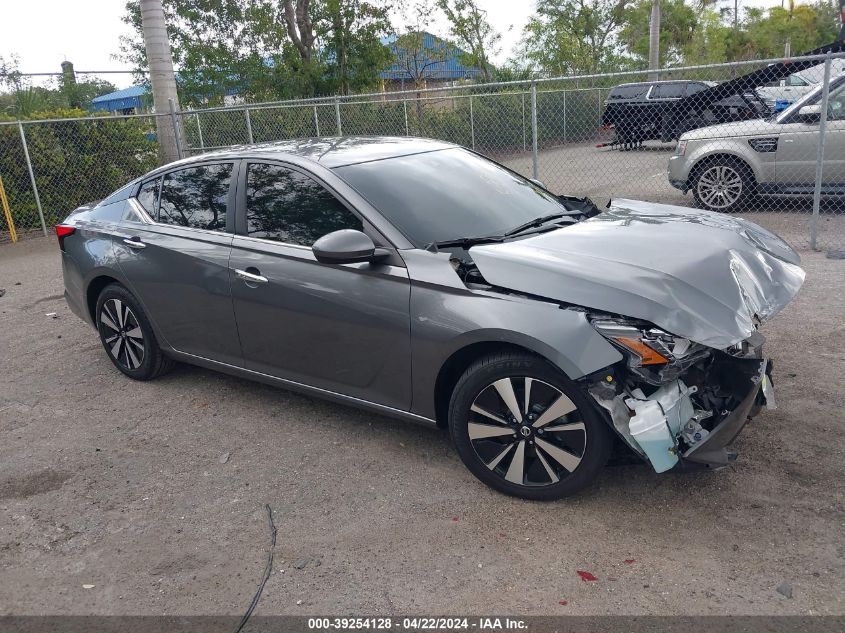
[{"x": 676, "y": 402}]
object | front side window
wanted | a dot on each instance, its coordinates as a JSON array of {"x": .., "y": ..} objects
[
  {"x": 196, "y": 197},
  {"x": 148, "y": 196},
  {"x": 836, "y": 104},
  {"x": 287, "y": 206}
]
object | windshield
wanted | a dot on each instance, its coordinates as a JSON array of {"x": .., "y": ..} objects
[{"x": 448, "y": 194}]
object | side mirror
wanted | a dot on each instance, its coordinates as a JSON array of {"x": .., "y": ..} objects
[
  {"x": 346, "y": 246},
  {"x": 810, "y": 114}
]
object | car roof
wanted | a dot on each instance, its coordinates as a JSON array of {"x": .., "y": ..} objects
[
  {"x": 662, "y": 81},
  {"x": 328, "y": 151}
]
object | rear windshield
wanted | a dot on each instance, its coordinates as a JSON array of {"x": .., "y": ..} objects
[{"x": 631, "y": 91}]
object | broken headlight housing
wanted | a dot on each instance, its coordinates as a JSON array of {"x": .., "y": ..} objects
[{"x": 653, "y": 354}]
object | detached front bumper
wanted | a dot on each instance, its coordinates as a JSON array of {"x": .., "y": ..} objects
[{"x": 713, "y": 450}]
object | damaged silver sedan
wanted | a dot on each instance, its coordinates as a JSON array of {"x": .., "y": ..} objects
[{"x": 420, "y": 280}]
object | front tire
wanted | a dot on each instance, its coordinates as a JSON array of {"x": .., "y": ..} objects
[
  {"x": 127, "y": 335},
  {"x": 525, "y": 429},
  {"x": 723, "y": 185}
]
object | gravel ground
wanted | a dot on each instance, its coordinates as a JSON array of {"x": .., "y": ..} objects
[{"x": 119, "y": 497}]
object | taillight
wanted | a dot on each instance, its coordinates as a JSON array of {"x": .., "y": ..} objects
[{"x": 62, "y": 231}]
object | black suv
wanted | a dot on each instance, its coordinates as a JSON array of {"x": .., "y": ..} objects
[{"x": 644, "y": 111}]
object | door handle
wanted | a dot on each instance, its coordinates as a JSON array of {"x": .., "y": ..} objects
[
  {"x": 134, "y": 243},
  {"x": 250, "y": 277}
]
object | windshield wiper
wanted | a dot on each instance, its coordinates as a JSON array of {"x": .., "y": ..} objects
[
  {"x": 538, "y": 222},
  {"x": 465, "y": 242}
]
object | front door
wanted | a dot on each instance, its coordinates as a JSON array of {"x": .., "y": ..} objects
[
  {"x": 343, "y": 328},
  {"x": 798, "y": 146}
]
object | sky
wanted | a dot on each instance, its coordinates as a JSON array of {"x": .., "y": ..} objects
[{"x": 44, "y": 33}]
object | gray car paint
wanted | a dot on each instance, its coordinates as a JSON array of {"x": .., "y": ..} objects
[
  {"x": 415, "y": 291},
  {"x": 697, "y": 274}
]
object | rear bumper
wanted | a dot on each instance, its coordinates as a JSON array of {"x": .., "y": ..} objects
[
  {"x": 74, "y": 288},
  {"x": 713, "y": 452}
]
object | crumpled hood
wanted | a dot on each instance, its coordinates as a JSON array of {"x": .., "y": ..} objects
[{"x": 705, "y": 276}]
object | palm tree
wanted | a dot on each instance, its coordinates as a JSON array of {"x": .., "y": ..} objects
[
  {"x": 162, "y": 78},
  {"x": 654, "y": 40}
]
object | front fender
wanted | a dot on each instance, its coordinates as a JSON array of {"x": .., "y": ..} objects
[
  {"x": 724, "y": 147},
  {"x": 448, "y": 317}
]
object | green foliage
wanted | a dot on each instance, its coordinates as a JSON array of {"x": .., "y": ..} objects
[
  {"x": 677, "y": 26},
  {"x": 572, "y": 37},
  {"x": 244, "y": 47},
  {"x": 75, "y": 161},
  {"x": 472, "y": 32}
]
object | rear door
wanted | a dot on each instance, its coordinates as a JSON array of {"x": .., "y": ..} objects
[
  {"x": 174, "y": 249},
  {"x": 343, "y": 328}
]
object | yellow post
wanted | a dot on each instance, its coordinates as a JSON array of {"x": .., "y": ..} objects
[{"x": 7, "y": 212}]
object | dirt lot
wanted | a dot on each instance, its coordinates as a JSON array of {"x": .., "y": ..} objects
[{"x": 154, "y": 493}]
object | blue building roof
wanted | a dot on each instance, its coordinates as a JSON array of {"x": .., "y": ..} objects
[
  {"x": 449, "y": 68},
  {"x": 120, "y": 100}
]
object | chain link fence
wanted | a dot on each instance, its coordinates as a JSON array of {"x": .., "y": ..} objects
[{"x": 602, "y": 136}]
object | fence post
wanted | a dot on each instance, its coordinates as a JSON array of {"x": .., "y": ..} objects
[
  {"x": 524, "y": 143},
  {"x": 405, "y": 109},
  {"x": 535, "y": 159},
  {"x": 337, "y": 116},
  {"x": 32, "y": 179},
  {"x": 564, "y": 115},
  {"x": 175, "y": 123},
  {"x": 316, "y": 121},
  {"x": 248, "y": 126},
  {"x": 817, "y": 191},
  {"x": 199, "y": 131},
  {"x": 471, "y": 123}
]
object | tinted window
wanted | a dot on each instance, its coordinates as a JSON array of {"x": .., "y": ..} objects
[
  {"x": 284, "y": 205},
  {"x": 668, "y": 91},
  {"x": 148, "y": 196},
  {"x": 694, "y": 87},
  {"x": 196, "y": 197},
  {"x": 447, "y": 194},
  {"x": 632, "y": 91}
]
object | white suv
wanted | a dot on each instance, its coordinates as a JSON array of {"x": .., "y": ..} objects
[{"x": 724, "y": 164}]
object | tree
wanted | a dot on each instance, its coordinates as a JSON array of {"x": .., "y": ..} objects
[
  {"x": 568, "y": 37},
  {"x": 269, "y": 49},
  {"x": 353, "y": 50},
  {"x": 679, "y": 23},
  {"x": 472, "y": 32},
  {"x": 162, "y": 77},
  {"x": 299, "y": 26}
]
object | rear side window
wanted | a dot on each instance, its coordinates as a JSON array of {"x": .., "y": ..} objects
[
  {"x": 633, "y": 91},
  {"x": 196, "y": 197},
  {"x": 148, "y": 196},
  {"x": 696, "y": 87},
  {"x": 284, "y": 205},
  {"x": 668, "y": 91}
]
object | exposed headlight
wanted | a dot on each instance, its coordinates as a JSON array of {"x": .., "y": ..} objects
[
  {"x": 641, "y": 349},
  {"x": 653, "y": 354},
  {"x": 681, "y": 148}
]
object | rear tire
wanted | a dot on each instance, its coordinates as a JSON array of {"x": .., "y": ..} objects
[
  {"x": 127, "y": 335},
  {"x": 525, "y": 429}
]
